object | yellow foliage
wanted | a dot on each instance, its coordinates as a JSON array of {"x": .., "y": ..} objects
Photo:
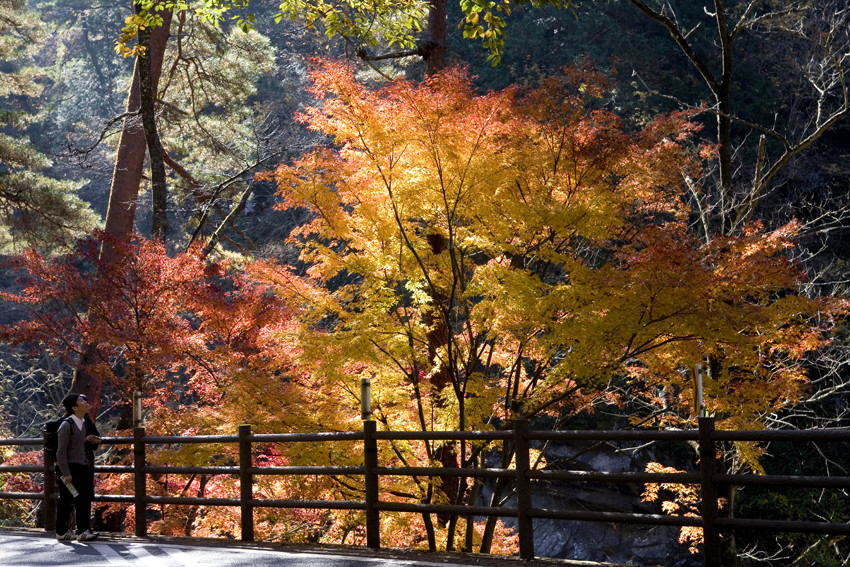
[{"x": 486, "y": 257}]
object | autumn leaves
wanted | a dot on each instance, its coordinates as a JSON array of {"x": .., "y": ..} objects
[
  {"x": 568, "y": 257},
  {"x": 480, "y": 257}
]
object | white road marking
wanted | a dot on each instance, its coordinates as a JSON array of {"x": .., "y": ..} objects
[
  {"x": 182, "y": 558},
  {"x": 112, "y": 556},
  {"x": 146, "y": 558}
]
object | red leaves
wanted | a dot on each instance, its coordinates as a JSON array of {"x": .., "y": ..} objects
[{"x": 169, "y": 325}]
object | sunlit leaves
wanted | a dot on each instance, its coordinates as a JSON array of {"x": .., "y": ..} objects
[
  {"x": 482, "y": 21},
  {"x": 520, "y": 187},
  {"x": 670, "y": 300},
  {"x": 394, "y": 22},
  {"x": 208, "y": 11},
  {"x": 133, "y": 24},
  {"x": 546, "y": 243},
  {"x": 678, "y": 500}
]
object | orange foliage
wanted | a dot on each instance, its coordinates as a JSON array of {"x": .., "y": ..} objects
[
  {"x": 568, "y": 257},
  {"x": 548, "y": 244},
  {"x": 684, "y": 500},
  {"x": 544, "y": 243}
]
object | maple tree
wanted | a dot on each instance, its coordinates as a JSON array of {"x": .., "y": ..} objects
[
  {"x": 208, "y": 347},
  {"x": 565, "y": 264},
  {"x": 154, "y": 319}
]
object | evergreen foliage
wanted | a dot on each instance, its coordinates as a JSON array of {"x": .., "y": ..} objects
[{"x": 35, "y": 208}]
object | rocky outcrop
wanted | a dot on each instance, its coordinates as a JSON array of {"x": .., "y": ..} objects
[{"x": 621, "y": 543}]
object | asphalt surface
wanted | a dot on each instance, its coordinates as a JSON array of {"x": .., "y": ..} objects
[{"x": 36, "y": 548}]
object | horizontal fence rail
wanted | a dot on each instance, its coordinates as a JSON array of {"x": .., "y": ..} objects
[{"x": 522, "y": 475}]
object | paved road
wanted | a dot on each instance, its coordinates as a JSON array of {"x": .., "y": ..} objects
[{"x": 32, "y": 549}]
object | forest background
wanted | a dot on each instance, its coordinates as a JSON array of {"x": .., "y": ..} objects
[{"x": 555, "y": 212}]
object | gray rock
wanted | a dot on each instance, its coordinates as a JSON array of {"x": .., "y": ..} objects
[{"x": 627, "y": 544}]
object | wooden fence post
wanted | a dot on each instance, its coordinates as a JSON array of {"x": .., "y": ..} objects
[
  {"x": 370, "y": 463},
  {"x": 140, "y": 482},
  {"x": 246, "y": 483},
  {"x": 48, "y": 505},
  {"x": 708, "y": 468},
  {"x": 525, "y": 526}
]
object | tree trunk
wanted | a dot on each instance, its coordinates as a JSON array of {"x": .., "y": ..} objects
[
  {"x": 435, "y": 57},
  {"x": 147, "y": 103},
  {"x": 123, "y": 194},
  {"x": 490, "y": 525},
  {"x": 130, "y": 160},
  {"x": 722, "y": 92},
  {"x": 446, "y": 454}
]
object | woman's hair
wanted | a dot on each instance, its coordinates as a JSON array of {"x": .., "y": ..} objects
[{"x": 69, "y": 402}]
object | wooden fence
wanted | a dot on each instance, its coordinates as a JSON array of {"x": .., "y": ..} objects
[{"x": 708, "y": 479}]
